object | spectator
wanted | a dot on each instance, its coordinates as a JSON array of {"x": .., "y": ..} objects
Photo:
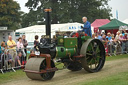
[
  {"x": 123, "y": 32},
  {"x": 96, "y": 36},
  {"x": 20, "y": 46},
  {"x": 103, "y": 33},
  {"x": 108, "y": 45},
  {"x": 117, "y": 36},
  {"x": 118, "y": 43},
  {"x": 93, "y": 36},
  {"x": 12, "y": 48},
  {"x": 3, "y": 45},
  {"x": 6, "y": 57},
  {"x": 0, "y": 51},
  {"x": 103, "y": 39},
  {"x": 36, "y": 42},
  {"x": 43, "y": 40},
  {"x": 112, "y": 43},
  {"x": 18, "y": 60},
  {"x": 125, "y": 42},
  {"x": 25, "y": 44},
  {"x": 122, "y": 42},
  {"x": 112, "y": 35},
  {"x": 109, "y": 36},
  {"x": 99, "y": 36}
]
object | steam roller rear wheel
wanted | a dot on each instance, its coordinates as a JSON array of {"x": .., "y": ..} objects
[
  {"x": 38, "y": 64},
  {"x": 94, "y": 55}
]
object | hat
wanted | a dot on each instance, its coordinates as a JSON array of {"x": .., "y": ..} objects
[
  {"x": 120, "y": 34},
  {"x": 125, "y": 33},
  {"x": 108, "y": 33}
]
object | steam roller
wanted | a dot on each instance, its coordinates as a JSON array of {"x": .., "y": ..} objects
[
  {"x": 76, "y": 52},
  {"x": 40, "y": 68}
]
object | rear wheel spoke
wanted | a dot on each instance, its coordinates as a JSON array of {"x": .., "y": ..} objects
[
  {"x": 92, "y": 47},
  {"x": 99, "y": 57},
  {"x": 97, "y": 49},
  {"x": 87, "y": 58},
  {"x": 89, "y": 54},
  {"x": 96, "y": 63},
  {"x": 90, "y": 61}
]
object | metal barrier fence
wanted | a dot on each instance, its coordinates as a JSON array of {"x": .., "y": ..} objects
[
  {"x": 12, "y": 59},
  {"x": 117, "y": 48}
]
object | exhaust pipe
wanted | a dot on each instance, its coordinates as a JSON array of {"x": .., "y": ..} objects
[{"x": 48, "y": 24}]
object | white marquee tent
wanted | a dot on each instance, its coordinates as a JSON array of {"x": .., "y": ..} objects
[{"x": 39, "y": 30}]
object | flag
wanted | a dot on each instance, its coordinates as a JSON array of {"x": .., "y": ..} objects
[{"x": 116, "y": 14}]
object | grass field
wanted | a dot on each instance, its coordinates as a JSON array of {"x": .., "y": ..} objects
[
  {"x": 109, "y": 58},
  {"x": 9, "y": 76},
  {"x": 120, "y": 79},
  {"x": 113, "y": 79}
]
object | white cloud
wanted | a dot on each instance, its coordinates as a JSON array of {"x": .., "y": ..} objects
[{"x": 22, "y": 5}]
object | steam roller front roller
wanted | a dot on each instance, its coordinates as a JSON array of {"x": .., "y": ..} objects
[
  {"x": 94, "y": 55},
  {"x": 36, "y": 65}
]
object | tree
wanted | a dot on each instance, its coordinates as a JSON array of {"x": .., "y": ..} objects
[
  {"x": 64, "y": 11},
  {"x": 9, "y": 14}
]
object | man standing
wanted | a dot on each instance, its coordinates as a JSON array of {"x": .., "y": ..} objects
[
  {"x": 12, "y": 48},
  {"x": 86, "y": 27},
  {"x": 25, "y": 44},
  {"x": 99, "y": 36}
]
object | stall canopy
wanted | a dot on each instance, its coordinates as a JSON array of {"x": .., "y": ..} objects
[
  {"x": 98, "y": 23},
  {"x": 114, "y": 24}
]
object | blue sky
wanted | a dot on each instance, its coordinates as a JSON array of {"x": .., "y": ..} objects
[{"x": 120, "y": 5}]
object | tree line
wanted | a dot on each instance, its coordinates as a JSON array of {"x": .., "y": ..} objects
[{"x": 63, "y": 11}]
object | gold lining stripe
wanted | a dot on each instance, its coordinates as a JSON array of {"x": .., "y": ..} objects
[
  {"x": 66, "y": 51},
  {"x": 74, "y": 50},
  {"x": 56, "y": 52}
]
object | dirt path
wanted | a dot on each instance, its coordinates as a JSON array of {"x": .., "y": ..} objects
[{"x": 66, "y": 77}]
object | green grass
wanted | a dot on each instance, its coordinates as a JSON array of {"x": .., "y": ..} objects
[
  {"x": 9, "y": 76},
  {"x": 116, "y": 57},
  {"x": 118, "y": 79}
]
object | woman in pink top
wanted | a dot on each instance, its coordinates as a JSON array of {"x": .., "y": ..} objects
[
  {"x": 121, "y": 38},
  {"x": 122, "y": 42},
  {"x": 19, "y": 43},
  {"x": 20, "y": 46}
]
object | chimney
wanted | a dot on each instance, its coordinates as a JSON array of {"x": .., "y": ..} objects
[{"x": 48, "y": 24}]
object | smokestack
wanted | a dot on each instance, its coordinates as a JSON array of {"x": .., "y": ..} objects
[{"x": 48, "y": 24}]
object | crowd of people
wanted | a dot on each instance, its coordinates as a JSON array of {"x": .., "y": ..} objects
[
  {"x": 13, "y": 53},
  {"x": 114, "y": 44}
]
